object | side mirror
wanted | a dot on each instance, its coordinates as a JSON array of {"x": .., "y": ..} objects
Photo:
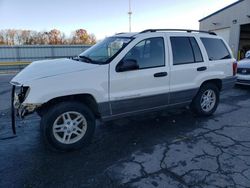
[{"x": 127, "y": 65}]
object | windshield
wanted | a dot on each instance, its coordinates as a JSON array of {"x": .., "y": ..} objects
[{"x": 105, "y": 50}]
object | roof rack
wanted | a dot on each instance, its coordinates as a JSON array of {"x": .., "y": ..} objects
[
  {"x": 120, "y": 33},
  {"x": 184, "y": 30}
]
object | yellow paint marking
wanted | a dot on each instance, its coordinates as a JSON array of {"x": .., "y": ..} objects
[{"x": 14, "y": 63}]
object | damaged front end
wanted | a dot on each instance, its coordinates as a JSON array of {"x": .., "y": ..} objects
[{"x": 18, "y": 108}]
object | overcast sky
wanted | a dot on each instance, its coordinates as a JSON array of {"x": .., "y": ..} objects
[{"x": 105, "y": 17}]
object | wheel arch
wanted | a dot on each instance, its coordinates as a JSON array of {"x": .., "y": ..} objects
[
  {"x": 217, "y": 82},
  {"x": 85, "y": 98},
  {"x": 196, "y": 106}
]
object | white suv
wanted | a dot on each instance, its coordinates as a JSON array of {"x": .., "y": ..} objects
[{"x": 124, "y": 75}]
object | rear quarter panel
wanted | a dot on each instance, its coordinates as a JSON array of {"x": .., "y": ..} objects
[{"x": 219, "y": 69}]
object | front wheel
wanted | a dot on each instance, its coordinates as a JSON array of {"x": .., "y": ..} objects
[
  {"x": 206, "y": 101},
  {"x": 68, "y": 126}
]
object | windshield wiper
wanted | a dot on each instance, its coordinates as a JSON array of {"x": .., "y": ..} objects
[
  {"x": 89, "y": 60},
  {"x": 73, "y": 58},
  {"x": 86, "y": 58}
]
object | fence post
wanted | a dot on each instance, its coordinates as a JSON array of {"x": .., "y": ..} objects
[
  {"x": 53, "y": 52},
  {"x": 18, "y": 57}
]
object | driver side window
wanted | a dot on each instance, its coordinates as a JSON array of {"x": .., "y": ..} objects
[{"x": 148, "y": 53}]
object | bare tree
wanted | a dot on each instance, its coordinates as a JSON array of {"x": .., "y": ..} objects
[
  {"x": 92, "y": 39},
  {"x": 54, "y": 36},
  {"x": 10, "y": 36},
  {"x": 2, "y": 41},
  {"x": 25, "y": 35}
]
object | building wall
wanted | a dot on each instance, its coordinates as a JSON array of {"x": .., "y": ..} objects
[
  {"x": 28, "y": 53},
  {"x": 230, "y": 18}
]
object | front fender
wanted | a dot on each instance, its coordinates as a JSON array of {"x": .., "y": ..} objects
[{"x": 46, "y": 89}]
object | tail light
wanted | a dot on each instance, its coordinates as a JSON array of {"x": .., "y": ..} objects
[{"x": 234, "y": 68}]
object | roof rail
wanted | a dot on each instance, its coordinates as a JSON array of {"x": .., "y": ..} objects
[
  {"x": 184, "y": 30},
  {"x": 120, "y": 33}
]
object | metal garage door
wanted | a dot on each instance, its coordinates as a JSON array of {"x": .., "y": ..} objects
[{"x": 224, "y": 33}]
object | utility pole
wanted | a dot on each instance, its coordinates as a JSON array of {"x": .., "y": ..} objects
[{"x": 129, "y": 15}]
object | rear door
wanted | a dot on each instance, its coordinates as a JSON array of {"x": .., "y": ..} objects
[{"x": 187, "y": 67}]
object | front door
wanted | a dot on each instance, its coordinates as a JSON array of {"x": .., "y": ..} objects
[{"x": 145, "y": 87}]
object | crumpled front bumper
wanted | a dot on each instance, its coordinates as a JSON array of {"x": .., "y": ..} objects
[
  {"x": 13, "y": 119},
  {"x": 18, "y": 108}
]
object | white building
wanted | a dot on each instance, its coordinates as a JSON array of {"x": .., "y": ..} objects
[{"x": 233, "y": 24}]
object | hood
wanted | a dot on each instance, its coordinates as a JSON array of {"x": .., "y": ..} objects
[
  {"x": 48, "y": 68},
  {"x": 244, "y": 63}
]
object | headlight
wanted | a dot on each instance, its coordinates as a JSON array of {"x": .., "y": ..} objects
[
  {"x": 21, "y": 94},
  {"x": 24, "y": 91}
]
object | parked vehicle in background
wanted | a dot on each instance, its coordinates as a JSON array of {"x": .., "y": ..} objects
[
  {"x": 248, "y": 54},
  {"x": 243, "y": 70},
  {"x": 124, "y": 75}
]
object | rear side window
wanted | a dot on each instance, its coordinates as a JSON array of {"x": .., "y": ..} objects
[
  {"x": 216, "y": 49},
  {"x": 185, "y": 50}
]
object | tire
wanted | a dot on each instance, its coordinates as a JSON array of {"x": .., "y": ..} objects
[
  {"x": 67, "y": 126},
  {"x": 200, "y": 104}
]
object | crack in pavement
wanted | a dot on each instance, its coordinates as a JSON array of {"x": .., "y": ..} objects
[
  {"x": 174, "y": 150},
  {"x": 212, "y": 151}
]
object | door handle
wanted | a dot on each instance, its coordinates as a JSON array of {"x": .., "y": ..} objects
[
  {"x": 160, "y": 74},
  {"x": 201, "y": 68}
]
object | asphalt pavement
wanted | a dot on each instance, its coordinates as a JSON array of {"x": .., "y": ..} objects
[
  {"x": 167, "y": 150},
  {"x": 5, "y": 91}
]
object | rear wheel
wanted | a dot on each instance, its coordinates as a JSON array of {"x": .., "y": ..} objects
[
  {"x": 206, "y": 101},
  {"x": 68, "y": 126}
]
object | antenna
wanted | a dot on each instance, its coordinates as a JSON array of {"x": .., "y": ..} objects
[{"x": 129, "y": 15}]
